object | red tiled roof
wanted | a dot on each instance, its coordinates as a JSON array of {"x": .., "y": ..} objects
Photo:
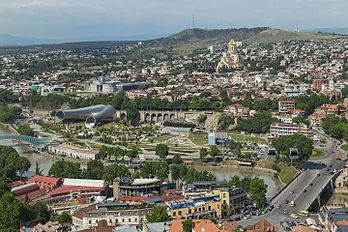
[
  {"x": 65, "y": 189},
  {"x": 46, "y": 179},
  {"x": 81, "y": 212}
]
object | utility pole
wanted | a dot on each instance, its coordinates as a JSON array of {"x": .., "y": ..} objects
[{"x": 193, "y": 21}]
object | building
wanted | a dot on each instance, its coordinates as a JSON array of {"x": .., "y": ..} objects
[
  {"x": 280, "y": 129},
  {"x": 285, "y": 106},
  {"x": 318, "y": 85},
  {"x": 230, "y": 60},
  {"x": 78, "y": 188},
  {"x": 233, "y": 200},
  {"x": 67, "y": 150},
  {"x": 92, "y": 115},
  {"x": 195, "y": 207},
  {"x": 127, "y": 186},
  {"x": 46, "y": 182},
  {"x": 237, "y": 110},
  {"x": 215, "y": 138},
  {"x": 203, "y": 226},
  {"x": 334, "y": 220},
  {"x": 115, "y": 213},
  {"x": 262, "y": 226}
]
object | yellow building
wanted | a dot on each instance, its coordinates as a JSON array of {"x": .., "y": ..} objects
[
  {"x": 233, "y": 200},
  {"x": 195, "y": 207},
  {"x": 230, "y": 59}
]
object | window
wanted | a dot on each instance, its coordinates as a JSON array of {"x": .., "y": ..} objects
[
  {"x": 174, "y": 214},
  {"x": 129, "y": 220}
]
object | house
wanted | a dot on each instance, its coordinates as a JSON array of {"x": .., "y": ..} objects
[
  {"x": 199, "y": 226},
  {"x": 262, "y": 226}
]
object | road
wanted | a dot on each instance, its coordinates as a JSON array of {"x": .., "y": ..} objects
[{"x": 304, "y": 189}]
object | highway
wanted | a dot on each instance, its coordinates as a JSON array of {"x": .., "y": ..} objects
[{"x": 306, "y": 187}]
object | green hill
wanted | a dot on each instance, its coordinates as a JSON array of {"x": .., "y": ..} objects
[
  {"x": 190, "y": 39},
  {"x": 276, "y": 36}
]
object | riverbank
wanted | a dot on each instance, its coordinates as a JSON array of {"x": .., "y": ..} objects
[{"x": 225, "y": 171}]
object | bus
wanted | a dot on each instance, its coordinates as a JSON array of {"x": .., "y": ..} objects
[
  {"x": 303, "y": 213},
  {"x": 292, "y": 203}
]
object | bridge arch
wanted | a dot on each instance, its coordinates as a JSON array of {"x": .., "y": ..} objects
[
  {"x": 147, "y": 117},
  {"x": 172, "y": 117},
  {"x": 153, "y": 117},
  {"x": 123, "y": 115},
  {"x": 159, "y": 117},
  {"x": 165, "y": 117}
]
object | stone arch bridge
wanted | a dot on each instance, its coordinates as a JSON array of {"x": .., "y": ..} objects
[{"x": 164, "y": 116}]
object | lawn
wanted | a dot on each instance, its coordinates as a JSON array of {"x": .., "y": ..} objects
[
  {"x": 245, "y": 138},
  {"x": 161, "y": 138},
  {"x": 286, "y": 173},
  {"x": 317, "y": 154},
  {"x": 344, "y": 147},
  {"x": 199, "y": 139}
]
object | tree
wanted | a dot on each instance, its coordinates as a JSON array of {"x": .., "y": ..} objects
[
  {"x": 162, "y": 150},
  {"x": 154, "y": 169},
  {"x": 111, "y": 172},
  {"x": 225, "y": 121},
  {"x": 133, "y": 116},
  {"x": 133, "y": 153},
  {"x": 234, "y": 181},
  {"x": 177, "y": 159},
  {"x": 203, "y": 153},
  {"x": 214, "y": 151},
  {"x": 158, "y": 214},
  {"x": 235, "y": 147},
  {"x": 194, "y": 175},
  {"x": 259, "y": 123},
  {"x": 65, "y": 169},
  {"x": 11, "y": 162},
  {"x": 188, "y": 225},
  {"x": 257, "y": 192},
  {"x": 62, "y": 218},
  {"x": 95, "y": 170},
  {"x": 24, "y": 129},
  {"x": 38, "y": 170},
  {"x": 202, "y": 118},
  {"x": 11, "y": 210},
  {"x": 303, "y": 144},
  {"x": 178, "y": 171},
  {"x": 41, "y": 212}
]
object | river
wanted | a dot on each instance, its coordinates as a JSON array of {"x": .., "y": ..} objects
[
  {"x": 45, "y": 162},
  {"x": 225, "y": 173},
  {"x": 222, "y": 173}
]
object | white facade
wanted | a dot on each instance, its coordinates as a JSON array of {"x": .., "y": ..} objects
[{"x": 73, "y": 152}]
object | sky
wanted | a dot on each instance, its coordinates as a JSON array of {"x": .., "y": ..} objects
[{"x": 69, "y": 19}]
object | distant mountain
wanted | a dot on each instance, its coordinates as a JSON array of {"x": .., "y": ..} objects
[
  {"x": 332, "y": 30},
  {"x": 11, "y": 40}
]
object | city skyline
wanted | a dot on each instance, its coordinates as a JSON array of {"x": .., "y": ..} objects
[{"x": 91, "y": 19}]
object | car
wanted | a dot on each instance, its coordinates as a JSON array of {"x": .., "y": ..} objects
[
  {"x": 328, "y": 169},
  {"x": 311, "y": 184},
  {"x": 292, "y": 204},
  {"x": 293, "y": 216},
  {"x": 318, "y": 174},
  {"x": 286, "y": 202},
  {"x": 338, "y": 158},
  {"x": 285, "y": 212},
  {"x": 305, "y": 190},
  {"x": 292, "y": 192},
  {"x": 279, "y": 206}
]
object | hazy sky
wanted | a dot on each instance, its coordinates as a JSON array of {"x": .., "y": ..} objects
[{"x": 92, "y": 18}]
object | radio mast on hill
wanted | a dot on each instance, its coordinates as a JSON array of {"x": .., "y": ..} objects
[{"x": 193, "y": 21}]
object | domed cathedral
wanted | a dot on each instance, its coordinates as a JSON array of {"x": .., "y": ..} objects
[{"x": 230, "y": 60}]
